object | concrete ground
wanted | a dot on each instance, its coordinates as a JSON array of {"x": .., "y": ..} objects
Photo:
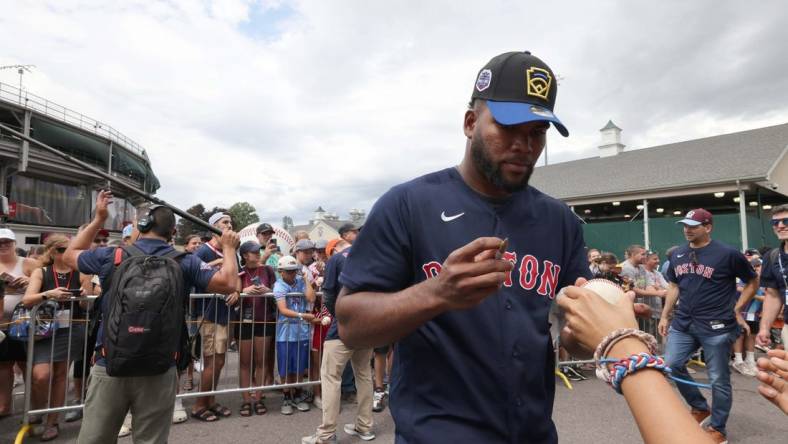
[{"x": 591, "y": 412}]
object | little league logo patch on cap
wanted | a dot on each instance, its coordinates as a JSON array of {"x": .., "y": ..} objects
[
  {"x": 484, "y": 80},
  {"x": 538, "y": 82}
]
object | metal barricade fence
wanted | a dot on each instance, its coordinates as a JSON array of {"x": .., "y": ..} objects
[{"x": 254, "y": 321}]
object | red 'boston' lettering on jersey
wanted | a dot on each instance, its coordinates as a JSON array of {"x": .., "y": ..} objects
[
  {"x": 511, "y": 257},
  {"x": 688, "y": 268},
  {"x": 529, "y": 270},
  {"x": 431, "y": 269},
  {"x": 549, "y": 279}
]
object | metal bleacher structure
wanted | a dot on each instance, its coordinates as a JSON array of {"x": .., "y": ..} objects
[{"x": 47, "y": 193}]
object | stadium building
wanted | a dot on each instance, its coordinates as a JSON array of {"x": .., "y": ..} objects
[
  {"x": 635, "y": 196},
  {"x": 46, "y": 193}
]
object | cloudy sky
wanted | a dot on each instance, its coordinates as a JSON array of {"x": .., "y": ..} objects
[{"x": 291, "y": 105}]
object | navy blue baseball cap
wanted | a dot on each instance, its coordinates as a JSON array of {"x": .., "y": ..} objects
[
  {"x": 518, "y": 88},
  {"x": 249, "y": 247}
]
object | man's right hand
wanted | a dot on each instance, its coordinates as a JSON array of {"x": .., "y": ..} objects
[
  {"x": 663, "y": 326},
  {"x": 230, "y": 239},
  {"x": 470, "y": 274},
  {"x": 764, "y": 337},
  {"x": 103, "y": 200}
]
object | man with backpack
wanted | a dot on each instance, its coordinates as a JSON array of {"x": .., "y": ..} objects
[{"x": 142, "y": 332}]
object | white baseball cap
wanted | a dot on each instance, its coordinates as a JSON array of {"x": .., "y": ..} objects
[
  {"x": 288, "y": 263},
  {"x": 5, "y": 233}
]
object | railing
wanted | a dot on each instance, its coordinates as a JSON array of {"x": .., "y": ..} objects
[
  {"x": 12, "y": 94},
  {"x": 255, "y": 374}
]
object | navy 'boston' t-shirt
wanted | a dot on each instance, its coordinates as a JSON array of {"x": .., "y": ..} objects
[
  {"x": 485, "y": 374},
  {"x": 331, "y": 289},
  {"x": 707, "y": 286}
]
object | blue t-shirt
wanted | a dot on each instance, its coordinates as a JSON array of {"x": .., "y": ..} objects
[
  {"x": 101, "y": 262},
  {"x": 484, "y": 374},
  {"x": 774, "y": 276},
  {"x": 707, "y": 286},
  {"x": 215, "y": 309},
  {"x": 292, "y": 329},
  {"x": 331, "y": 287}
]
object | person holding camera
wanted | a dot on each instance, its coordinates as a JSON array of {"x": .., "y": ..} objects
[{"x": 58, "y": 282}]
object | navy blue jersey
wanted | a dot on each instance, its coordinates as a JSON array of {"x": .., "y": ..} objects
[
  {"x": 213, "y": 310},
  {"x": 331, "y": 287},
  {"x": 707, "y": 286},
  {"x": 774, "y": 274},
  {"x": 484, "y": 374}
]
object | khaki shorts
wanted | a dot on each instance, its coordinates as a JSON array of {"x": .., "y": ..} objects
[{"x": 214, "y": 338}]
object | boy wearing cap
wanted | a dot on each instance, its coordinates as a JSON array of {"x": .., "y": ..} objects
[
  {"x": 292, "y": 330},
  {"x": 702, "y": 277}
]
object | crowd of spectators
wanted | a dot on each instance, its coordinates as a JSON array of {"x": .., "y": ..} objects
[{"x": 279, "y": 320}]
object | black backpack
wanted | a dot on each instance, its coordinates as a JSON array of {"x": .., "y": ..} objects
[{"x": 144, "y": 316}]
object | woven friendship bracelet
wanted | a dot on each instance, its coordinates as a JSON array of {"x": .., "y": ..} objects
[
  {"x": 600, "y": 354},
  {"x": 626, "y": 367}
]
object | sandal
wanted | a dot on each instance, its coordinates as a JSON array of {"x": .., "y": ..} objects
[
  {"x": 246, "y": 409},
  {"x": 188, "y": 384},
  {"x": 220, "y": 410},
  {"x": 259, "y": 407},
  {"x": 205, "y": 414},
  {"x": 50, "y": 433}
]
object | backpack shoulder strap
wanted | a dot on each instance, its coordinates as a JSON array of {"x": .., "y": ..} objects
[
  {"x": 133, "y": 250},
  {"x": 175, "y": 255}
]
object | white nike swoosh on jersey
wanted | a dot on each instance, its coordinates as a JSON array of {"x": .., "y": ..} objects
[
  {"x": 446, "y": 218},
  {"x": 679, "y": 255}
]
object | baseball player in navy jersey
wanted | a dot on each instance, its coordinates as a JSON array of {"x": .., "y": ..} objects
[
  {"x": 460, "y": 267},
  {"x": 702, "y": 278}
]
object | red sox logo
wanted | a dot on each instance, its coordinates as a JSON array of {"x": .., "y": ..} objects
[{"x": 532, "y": 274}]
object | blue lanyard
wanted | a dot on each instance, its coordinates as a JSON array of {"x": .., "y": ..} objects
[{"x": 782, "y": 270}]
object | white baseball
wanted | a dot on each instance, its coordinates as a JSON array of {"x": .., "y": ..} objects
[
  {"x": 607, "y": 290},
  {"x": 326, "y": 320}
]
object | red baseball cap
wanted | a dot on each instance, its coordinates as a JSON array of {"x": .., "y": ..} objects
[{"x": 696, "y": 217}]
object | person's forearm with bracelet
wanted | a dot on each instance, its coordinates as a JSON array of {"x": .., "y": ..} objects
[{"x": 591, "y": 321}]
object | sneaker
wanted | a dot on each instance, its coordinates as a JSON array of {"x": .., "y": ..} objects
[
  {"x": 73, "y": 415},
  {"x": 287, "y": 407},
  {"x": 125, "y": 429},
  {"x": 741, "y": 367},
  {"x": 752, "y": 368},
  {"x": 700, "y": 415},
  {"x": 571, "y": 374},
  {"x": 716, "y": 436},
  {"x": 315, "y": 440},
  {"x": 179, "y": 413},
  {"x": 351, "y": 430},
  {"x": 302, "y": 405},
  {"x": 378, "y": 400},
  {"x": 318, "y": 402}
]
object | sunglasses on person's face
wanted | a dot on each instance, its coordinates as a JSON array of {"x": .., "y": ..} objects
[
  {"x": 784, "y": 221},
  {"x": 100, "y": 240},
  {"x": 60, "y": 250}
]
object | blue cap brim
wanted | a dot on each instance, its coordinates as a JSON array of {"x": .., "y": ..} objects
[{"x": 515, "y": 113}]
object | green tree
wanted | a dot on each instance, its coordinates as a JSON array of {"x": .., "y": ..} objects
[
  {"x": 243, "y": 214},
  {"x": 185, "y": 227}
]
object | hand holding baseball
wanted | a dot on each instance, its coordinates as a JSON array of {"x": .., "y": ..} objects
[
  {"x": 470, "y": 274},
  {"x": 589, "y": 318}
]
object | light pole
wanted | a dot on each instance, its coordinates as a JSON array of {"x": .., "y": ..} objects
[{"x": 21, "y": 70}]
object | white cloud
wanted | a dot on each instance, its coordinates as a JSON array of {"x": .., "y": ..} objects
[{"x": 291, "y": 105}]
